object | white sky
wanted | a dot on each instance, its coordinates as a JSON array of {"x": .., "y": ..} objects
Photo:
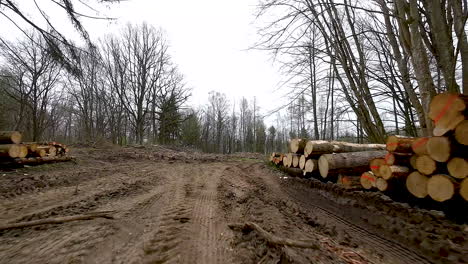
[{"x": 208, "y": 40}]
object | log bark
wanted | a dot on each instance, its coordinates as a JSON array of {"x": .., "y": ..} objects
[
  {"x": 419, "y": 146},
  {"x": 426, "y": 165},
  {"x": 58, "y": 220},
  {"x": 400, "y": 144},
  {"x": 416, "y": 183},
  {"x": 297, "y": 145},
  {"x": 388, "y": 172},
  {"x": 10, "y": 150},
  {"x": 458, "y": 167},
  {"x": 441, "y": 187},
  {"x": 401, "y": 159},
  {"x": 447, "y": 111},
  {"x": 461, "y": 133},
  {"x": 10, "y": 137},
  {"x": 329, "y": 162},
  {"x": 375, "y": 164},
  {"x": 464, "y": 189},
  {"x": 311, "y": 165},
  {"x": 320, "y": 147},
  {"x": 367, "y": 180},
  {"x": 294, "y": 172}
]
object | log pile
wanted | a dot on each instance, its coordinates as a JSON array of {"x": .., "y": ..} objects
[
  {"x": 434, "y": 167},
  {"x": 330, "y": 160},
  {"x": 13, "y": 150}
]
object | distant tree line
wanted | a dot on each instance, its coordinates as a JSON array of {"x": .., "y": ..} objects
[{"x": 127, "y": 90}]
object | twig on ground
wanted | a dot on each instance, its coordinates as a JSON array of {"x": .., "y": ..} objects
[
  {"x": 275, "y": 240},
  {"x": 59, "y": 220}
]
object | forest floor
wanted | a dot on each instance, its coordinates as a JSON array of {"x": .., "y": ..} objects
[{"x": 176, "y": 207}]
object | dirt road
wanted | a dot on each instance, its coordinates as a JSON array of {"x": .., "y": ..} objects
[{"x": 176, "y": 207}]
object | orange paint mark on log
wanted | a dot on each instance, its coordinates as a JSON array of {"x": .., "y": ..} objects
[
  {"x": 445, "y": 109},
  {"x": 420, "y": 142}
]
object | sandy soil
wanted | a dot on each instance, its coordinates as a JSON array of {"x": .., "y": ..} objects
[{"x": 175, "y": 207}]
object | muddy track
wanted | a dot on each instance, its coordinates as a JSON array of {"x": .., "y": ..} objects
[{"x": 177, "y": 210}]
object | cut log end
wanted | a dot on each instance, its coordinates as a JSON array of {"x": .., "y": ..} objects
[
  {"x": 440, "y": 187},
  {"x": 464, "y": 189},
  {"x": 400, "y": 144},
  {"x": 416, "y": 183},
  {"x": 458, "y": 167},
  {"x": 10, "y": 137},
  {"x": 302, "y": 162},
  {"x": 439, "y": 148},
  {"x": 368, "y": 180},
  {"x": 425, "y": 164},
  {"x": 310, "y": 165},
  {"x": 381, "y": 184},
  {"x": 323, "y": 166},
  {"x": 461, "y": 133}
]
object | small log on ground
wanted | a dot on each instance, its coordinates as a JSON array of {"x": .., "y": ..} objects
[
  {"x": 441, "y": 187},
  {"x": 350, "y": 160},
  {"x": 388, "y": 172},
  {"x": 297, "y": 145},
  {"x": 375, "y": 164},
  {"x": 393, "y": 158},
  {"x": 10, "y": 137},
  {"x": 425, "y": 164},
  {"x": 461, "y": 133},
  {"x": 319, "y": 147},
  {"x": 458, "y": 167},
  {"x": 416, "y": 183},
  {"x": 310, "y": 165},
  {"x": 367, "y": 180},
  {"x": 419, "y": 146},
  {"x": 400, "y": 144},
  {"x": 275, "y": 240},
  {"x": 58, "y": 220},
  {"x": 447, "y": 111},
  {"x": 464, "y": 189}
]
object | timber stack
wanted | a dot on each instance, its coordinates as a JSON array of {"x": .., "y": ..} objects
[
  {"x": 13, "y": 150},
  {"x": 434, "y": 167}
]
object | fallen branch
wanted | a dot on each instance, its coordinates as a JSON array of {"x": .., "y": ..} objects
[
  {"x": 275, "y": 240},
  {"x": 58, "y": 220}
]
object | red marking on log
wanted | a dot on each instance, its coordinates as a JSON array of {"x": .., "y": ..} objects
[
  {"x": 387, "y": 156},
  {"x": 368, "y": 178},
  {"x": 420, "y": 142},
  {"x": 446, "y": 107}
]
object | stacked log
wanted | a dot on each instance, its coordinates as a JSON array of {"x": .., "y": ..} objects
[
  {"x": 13, "y": 150},
  {"x": 435, "y": 166}
]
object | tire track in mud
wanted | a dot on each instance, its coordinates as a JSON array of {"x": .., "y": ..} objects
[
  {"x": 162, "y": 245},
  {"x": 209, "y": 247},
  {"x": 389, "y": 248}
]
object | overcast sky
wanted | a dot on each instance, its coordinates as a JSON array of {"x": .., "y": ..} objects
[{"x": 209, "y": 41}]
